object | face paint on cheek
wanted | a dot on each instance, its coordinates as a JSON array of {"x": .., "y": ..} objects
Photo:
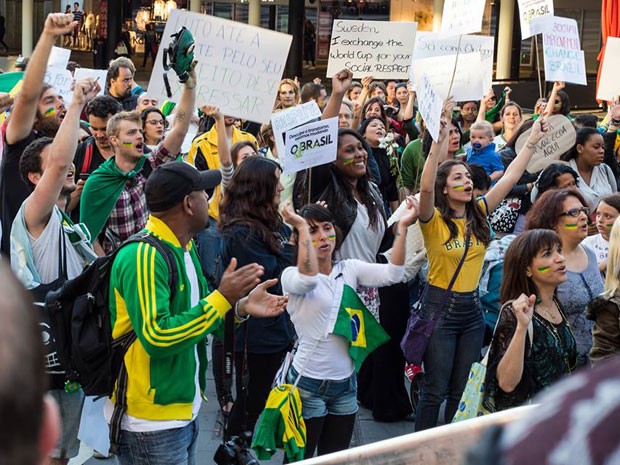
[
  {"x": 128, "y": 144},
  {"x": 571, "y": 227},
  {"x": 50, "y": 112},
  {"x": 460, "y": 187},
  {"x": 315, "y": 243},
  {"x": 609, "y": 225},
  {"x": 331, "y": 237},
  {"x": 348, "y": 161},
  {"x": 544, "y": 269}
]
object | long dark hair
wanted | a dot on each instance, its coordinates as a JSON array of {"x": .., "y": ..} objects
[
  {"x": 519, "y": 256},
  {"x": 549, "y": 177},
  {"x": 476, "y": 220},
  {"x": 248, "y": 200},
  {"x": 381, "y": 103}
]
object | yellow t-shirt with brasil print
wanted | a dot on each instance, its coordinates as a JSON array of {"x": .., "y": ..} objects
[{"x": 444, "y": 257}]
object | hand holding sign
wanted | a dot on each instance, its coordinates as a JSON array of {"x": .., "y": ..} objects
[{"x": 549, "y": 139}]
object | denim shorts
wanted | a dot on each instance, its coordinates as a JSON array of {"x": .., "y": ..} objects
[{"x": 320, "y": 397}]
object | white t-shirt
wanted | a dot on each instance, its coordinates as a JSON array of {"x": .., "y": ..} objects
[
  {"x": 139, "y": 425},
  {"x": 599, "y": 246},
  {"x": 363, "y": 240}
]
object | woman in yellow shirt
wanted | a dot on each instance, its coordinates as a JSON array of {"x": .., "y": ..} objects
[{"x": 448, "y": 214}]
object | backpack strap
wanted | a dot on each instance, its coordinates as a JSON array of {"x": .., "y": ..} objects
[
  {"x": 88, "y": 158},
  {"x": 124, "y": 342}
]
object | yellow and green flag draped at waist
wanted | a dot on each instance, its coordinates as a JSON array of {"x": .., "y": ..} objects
[
  {"x": 281, "y": 425},
  {"x": 355, "y": 323}
]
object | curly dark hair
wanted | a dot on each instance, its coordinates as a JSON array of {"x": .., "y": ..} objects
[
  {"x": 30, "y": 161},
  {"x": 476, "y": 220},
  {"x": 103, "y": 106},
  {"x": 248, "y": 200},
  {"x": 381, "y": 104},
  {"x": 548, "y": 208}
]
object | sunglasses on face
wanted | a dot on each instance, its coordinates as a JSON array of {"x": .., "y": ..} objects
[{"x": 574, "y": 212}]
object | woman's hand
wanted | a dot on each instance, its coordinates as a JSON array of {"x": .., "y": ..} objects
[
  {"x": 539, "y": 130},
  {"x": 213, "y": 111},
  {"x": 291, "y": 217},
  {"x": 448, "y": 107},
  {"x": 412, "y": 210},
  {"x": 366, "y": 80},
  {"x": 260, "y": 303},
  {"x": 558, "y": 85},
  {"x": 523, "y": 308}
]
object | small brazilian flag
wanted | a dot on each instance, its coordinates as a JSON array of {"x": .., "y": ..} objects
[{"x": 358, "y": 326}]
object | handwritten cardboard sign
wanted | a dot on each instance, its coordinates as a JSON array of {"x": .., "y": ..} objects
[
  {"x": 462, "y": 17},
  {"x": 559, "y": 139},
  {"x": 470, "y": 78},
  {"x": 59, "y": 57},
  {"x": 429, "y": 44},
  {"x": 529, "y": 9},
  {"x": 381, "y": 49},
  {"x": 609, "y": 85},
  {"x": 62, "y": 82},
  {"x": 239, "y": 66},
  {"x": 82, "y": 73},
  {"x": 430, "y": 106},
  {"x": 564, "y": 59},
  {"x": 290, "y": 118},
  {"x": 310, "y": 145}
]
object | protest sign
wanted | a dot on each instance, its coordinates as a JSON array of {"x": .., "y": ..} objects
[
  {"x": 470, "y": 78},
  {"x": 529, "y": 9},
  {"x": 430, "y": 106},
  {"x": 462, "y": 17},
  {"x": 62, "y": 82},
  {"x": 239, "y": 66},
  {"x": 310, "y": 145},
  {"x": 429, "y": 44},
  {"x": 564, "y": 59},
  {"x": 381, "y": 49},
  {"x": 290, "y": 118},
  {"x": 59, "y": 57},
  {"x": 560, "y": 138},
  {"x": 609, "y": 85},
  {"x": 82, "y": 73}
]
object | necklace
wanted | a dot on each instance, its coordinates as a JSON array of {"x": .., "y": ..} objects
[
  {"x": 551, "y": 327},
  {"x": 549, "y": 314}
]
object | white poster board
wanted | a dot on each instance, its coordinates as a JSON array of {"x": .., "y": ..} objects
[
  {"x": 470, "y": 78},
  {"x": 290, "y": 118},
  {"x": 429, "y": 44},
  {"x": 239, "y": 66},
  {"x": 564, "y": 59},
  {"x": 82, "y": 73},
  {"x": 429, "y": 105},
  {"x": 529, "y": 9},
  {"x": 560, "y": 138},
  {"x": 381, "y": 49},
  {"x": 609, "y": 85},
  {"x": 62, "y": 82},
  {"x": 312, "y": 144},
  {"x": 462, "y": 16},
  {"x": 59, "y": 57}
]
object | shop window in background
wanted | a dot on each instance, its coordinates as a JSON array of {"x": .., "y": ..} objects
[{"x": 282, "y": 19}]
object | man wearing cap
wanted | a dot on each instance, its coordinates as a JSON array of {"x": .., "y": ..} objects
[{"x": 165, "y": 364}]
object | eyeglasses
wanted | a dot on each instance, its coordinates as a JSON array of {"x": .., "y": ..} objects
[
  {"x": 156, "y": 122},
  {"x": 574, "y": 212}
]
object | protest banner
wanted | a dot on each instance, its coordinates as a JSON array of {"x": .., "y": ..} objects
[
  {"x": 430, "y": 106},
  {"x": 239, "y": 66},
  {"x": 564, "y": 59},
  {"x": 560, "y": 138},
  {"x": 609, "y": 85},
  {"x": 62, "y": 82},
  {"x": 529, "y": 9},
  {"x": 59, "y": 57},
  {"x": 81, "y": 73},
  {"x": 290, "y": 118},
  {"x": 310, "y": 145},
  {"x": 429, "y": 44},
  {"x": 462, "y": 17},
  {"x": 381, "y": 49},
  {"x": 470, "y": 78}
]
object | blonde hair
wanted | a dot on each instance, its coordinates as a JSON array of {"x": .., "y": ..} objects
[
  {"x": 114, "y": 123},
  {"x": 484, "y": 126},
  {"x": 295, "y": 87},
  {"x": 612, "y": 278}
]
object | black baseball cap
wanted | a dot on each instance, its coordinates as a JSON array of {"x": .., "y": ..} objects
[{"x": 169, "y": 183}]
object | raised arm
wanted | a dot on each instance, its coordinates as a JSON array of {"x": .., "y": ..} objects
[
  {"x": 223, "y": 149},
  {"x": 515, "y": 170},
  {"x": 183, "y": 116},
  {"x": 557, "y": 86},
  {"x": 482, "y": 107},
  {"x": 340, "y": 83},
  {"x": 408, "y": 112},
  {"x": 361, "y": 100},
  {"x": 307, "y": 263},
  {"x": 58, "y": 160},
  {"x": 25, "y": 108}
]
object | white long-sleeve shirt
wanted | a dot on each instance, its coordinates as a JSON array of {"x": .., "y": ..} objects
[{"x": 313, "y": 307}]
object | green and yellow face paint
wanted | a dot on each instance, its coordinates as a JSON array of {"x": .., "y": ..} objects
[
  {"x": 128, "y": 144},
  {"x": 460, "y": 187},
  {"x": 331, "y": 237},
  {"x": 50, "y": 112},
  {"x": 348, "y": 161},
  {"x": 571, "y": 226},
  {"x": 544, "y": 269}
]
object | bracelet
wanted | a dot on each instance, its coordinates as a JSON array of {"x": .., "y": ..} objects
[
  {"x": 614, "y": 122},
  {"x": 239, "y": 317},
  {"x": 530, "y": 145}
]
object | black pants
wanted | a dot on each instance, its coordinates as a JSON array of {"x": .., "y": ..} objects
[{"x": 331, "y": 433}]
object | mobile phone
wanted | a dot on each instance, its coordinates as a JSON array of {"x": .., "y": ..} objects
[{"x": 83, "y": 176}]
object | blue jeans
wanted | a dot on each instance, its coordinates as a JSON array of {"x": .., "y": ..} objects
[
  {"x": 454, "y": 346},
  {"x": 208, "y": 242},
  {"x": 166, "y": 447}
]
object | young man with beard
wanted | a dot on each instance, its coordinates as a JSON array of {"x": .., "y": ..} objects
[
  {"x": 203, "y": 154},
  {"x": 113, "y": 206},
  {"x": 37, "y": 112},
  {"x": 119, "y": 83},
  {"x": 46, "y": 246},
  {"x": 95, "y": 150}
]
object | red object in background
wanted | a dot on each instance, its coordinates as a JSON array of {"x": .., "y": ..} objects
[
  {"x": 102, "y": 28},
  {"x": 610, "y": 27}
]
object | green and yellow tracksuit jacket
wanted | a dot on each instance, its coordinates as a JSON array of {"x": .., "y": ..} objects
[{"x": 161, "y": 363}]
